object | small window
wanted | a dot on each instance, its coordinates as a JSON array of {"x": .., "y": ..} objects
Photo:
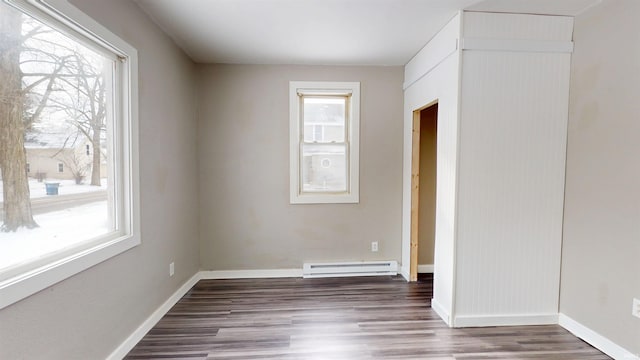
[{"x": 324, "y": 142}]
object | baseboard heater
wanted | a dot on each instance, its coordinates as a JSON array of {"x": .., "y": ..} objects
[{"x": 361, "y": 268}]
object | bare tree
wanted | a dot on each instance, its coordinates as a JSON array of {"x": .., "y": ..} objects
[
  {"x": 75, "y": 164},
  {"x": 13, "y": 158},
  {"x": 84, "y": 103},
  {"x": 15, "y": 119}
]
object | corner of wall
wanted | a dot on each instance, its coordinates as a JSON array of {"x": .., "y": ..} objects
[{"x": 595, "y": 339}]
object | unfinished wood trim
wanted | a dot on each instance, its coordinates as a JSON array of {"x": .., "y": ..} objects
[{"x": 415, "y": 195}]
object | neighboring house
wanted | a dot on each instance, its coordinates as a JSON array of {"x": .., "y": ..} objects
[
  {"x": 54, "y": 156},
  {"x": 323, "y": 157}
]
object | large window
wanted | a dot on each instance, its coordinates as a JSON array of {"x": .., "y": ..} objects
[
  {"x": 324, "y": 134},
  {"x": 66, "y": 85}
]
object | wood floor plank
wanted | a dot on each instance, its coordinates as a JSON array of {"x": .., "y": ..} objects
[{"x": 339, "y": 318}]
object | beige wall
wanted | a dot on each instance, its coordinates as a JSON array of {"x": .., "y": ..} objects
[
  {"x": 245, "y": 216},
  {"x": 427, "y": 201},
  {"x": 601, "y": 245},
  {"x": 90, "y": 314}
]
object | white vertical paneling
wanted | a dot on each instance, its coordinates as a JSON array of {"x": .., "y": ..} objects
[
  {"x": 513, "y": 126},
  {"x": 517, "y": 26},
  {"x": 500, "y": 168},
  {"x": 439, "y": 83}
]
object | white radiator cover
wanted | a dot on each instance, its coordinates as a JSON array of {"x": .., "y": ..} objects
[{"x": 358, "y": 268}]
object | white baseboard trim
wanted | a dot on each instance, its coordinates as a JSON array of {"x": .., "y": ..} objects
[
  {"x": 596, "y": 340},
  {"x": 505, "y": 320},
  {"x": 404, "y": 271},
  {"x": 133, "y": 339},
  {"x": 425, "y": 269},
  {"x": 441, "y": 311},
  {"x": 250, "y": 274}
]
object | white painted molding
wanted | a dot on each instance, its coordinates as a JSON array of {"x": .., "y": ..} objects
[
  {"x": 351, "y": 195},
  {"x": 596, "y": 340},
  {"x": 133, "y": 339},
  {"x": 453, "y": 50},
  {"x": 441, "y": 311},
  {"x": 250, "y": 274},
  {"x": 24, "y": 285},
  {"x": 425, "y": 269},
  {"x": 404, "y": 272},
  {"x": 38, "y": 275},
  {"x": 505, "y": 320},
  {"x": 517, "y": 45},
  {"x": 438, "y": 49}
]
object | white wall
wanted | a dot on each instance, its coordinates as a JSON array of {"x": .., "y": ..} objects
[
  {"x": 513, "y": 122},
  {"x": 89, "y": 315},
  {"x": 432, "y": 75},
  {"x": 247, "y": 222},
  {"x": 501, "y": 156},
  {"x": 601, "y": 246}
]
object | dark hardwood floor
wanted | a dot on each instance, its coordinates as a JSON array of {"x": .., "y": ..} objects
[{"x": 338, "y": 318}]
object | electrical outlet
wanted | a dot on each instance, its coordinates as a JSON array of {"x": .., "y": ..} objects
[
  {"x": 374, "y": 246},
  {"x": 172, "y": 269},
  {"x": 635, "y": 310}
]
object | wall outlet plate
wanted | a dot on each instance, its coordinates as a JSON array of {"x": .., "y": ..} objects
[
  {"x": 635, "y": 310},
  {"x": 374, "y": 246},
  {"x": 172, "y": 269}
]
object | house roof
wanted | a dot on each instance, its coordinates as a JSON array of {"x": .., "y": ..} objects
[
  {"x": 52, "y": 140},
  {"x": 47, "y": 135}
]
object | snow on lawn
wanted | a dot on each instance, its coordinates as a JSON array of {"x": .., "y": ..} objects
[
  {"x": 38, "y": 189},
  {"x": 58, "y": 230}
]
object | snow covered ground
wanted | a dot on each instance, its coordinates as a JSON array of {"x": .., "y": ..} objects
[
  {"x": 58, "y": 230},
  {"x": 38, "y": 189}
]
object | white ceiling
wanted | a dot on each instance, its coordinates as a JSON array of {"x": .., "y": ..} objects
[{"x": 321, "y": 32}]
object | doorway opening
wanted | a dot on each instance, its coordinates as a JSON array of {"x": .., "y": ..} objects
[{"x": 423, "y": 190}]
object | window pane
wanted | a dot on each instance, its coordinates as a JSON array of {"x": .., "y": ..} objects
[
  {"x": 324, "y": 168},
  {"x": 324, "y": 119},
  {"x": 59, "y": 89}
]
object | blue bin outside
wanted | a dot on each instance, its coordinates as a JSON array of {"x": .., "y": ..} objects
[{"x": 52, "y": 188}]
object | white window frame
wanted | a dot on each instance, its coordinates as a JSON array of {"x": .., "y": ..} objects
[
  {"x": 296, "y": 132},
  {"x": 38, "y": 276}
]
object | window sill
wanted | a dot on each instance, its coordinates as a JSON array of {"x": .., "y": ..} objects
[
  {"x": 324, "y": 199},
  {"x": 26, "y": 284}
]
